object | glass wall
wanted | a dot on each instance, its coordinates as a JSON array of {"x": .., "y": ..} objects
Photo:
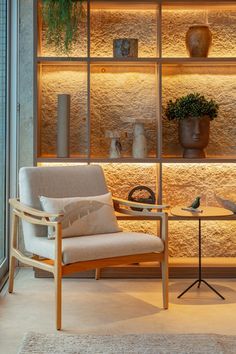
[{"x": 3, "y": 116}]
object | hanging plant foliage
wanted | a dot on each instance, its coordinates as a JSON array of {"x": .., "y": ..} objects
[{"x": 61, "y": 18}]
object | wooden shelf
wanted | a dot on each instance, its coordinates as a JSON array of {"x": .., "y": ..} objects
[
  {"x": 217, "y": 267},
  {"x": 217, "y": 159},
  {"x": 163, "y": 60},
  {"x": 197, "y": 5},
  {"x": 153, "y": 4},
  {"x": 172, "y": 160},
  {"x": 223, "y": 262}
]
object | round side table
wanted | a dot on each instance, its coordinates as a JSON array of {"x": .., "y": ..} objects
[{"x": 208, "y": 213}]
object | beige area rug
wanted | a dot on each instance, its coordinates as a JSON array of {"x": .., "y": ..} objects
[{"x": 37, "y": 343}]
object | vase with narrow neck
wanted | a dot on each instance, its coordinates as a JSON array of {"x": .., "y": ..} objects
[
  {"x": 139, "y": 148},
  {"x": 194, "y": 136},
  {"x": 198, "y": 41}
]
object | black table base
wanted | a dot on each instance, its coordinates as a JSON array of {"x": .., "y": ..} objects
[{"x": 200, "y": 280}]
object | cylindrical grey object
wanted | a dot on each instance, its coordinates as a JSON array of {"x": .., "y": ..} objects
[{"x": 63, "y": 125}]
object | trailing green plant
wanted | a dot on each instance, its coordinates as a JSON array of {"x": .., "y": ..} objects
[
  {"x": 61, "y": 18},
  {"x": 193, "y": 105}
]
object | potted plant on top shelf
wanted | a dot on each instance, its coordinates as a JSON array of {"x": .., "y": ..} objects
[
  {"x": 62, "y": 18},
  {"x": 194, "y": 113}
]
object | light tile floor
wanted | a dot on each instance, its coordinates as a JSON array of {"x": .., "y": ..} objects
[{"x": 113, "y": 307}]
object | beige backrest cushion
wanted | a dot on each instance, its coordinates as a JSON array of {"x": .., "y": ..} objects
[
  {"x": 83, "y": 215},
  {"x": 57, "y": 182}
]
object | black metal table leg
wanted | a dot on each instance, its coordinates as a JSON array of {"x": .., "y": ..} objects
[
  {"x": 200, "y": 280},
  {"x": 195, "y": 282},
  {"x": 213, "y": 289}
]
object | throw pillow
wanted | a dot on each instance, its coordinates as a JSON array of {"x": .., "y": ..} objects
[{"x": 83, "y": 215}]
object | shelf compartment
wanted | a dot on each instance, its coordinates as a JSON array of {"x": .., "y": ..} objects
[
  {"x": 177, "y": 18},
  {"x": 54, "y": 79},
  {"x": 79, "y": 48},
  {"x": 121, "y": 94},
  {"x": 77, "y": 158},
  {"x": 213, "y": 80},
  {"x": 112, "y": 20},
  {"x": 181, "y": 183},
  {"x": 184, "y": 181},
  {"x": 121, "y": 178}
]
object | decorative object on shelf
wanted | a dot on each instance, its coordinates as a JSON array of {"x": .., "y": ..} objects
[
  {"x": 198, "y": 40},
  {"x": 142, "y": 194},
  {"x": 194, "y": 113},
  {"x": 125, "y": 48},
  {"x": 115, "y": 146},
  {"x": 62, "y": 18},
  {"x": 63, "y": 125},
  {"x": 229, "y": 204},
  {"x": 194, "y": 206},
  {"x": 196, "y": 203},
  {"x": 139, "y": 147}
]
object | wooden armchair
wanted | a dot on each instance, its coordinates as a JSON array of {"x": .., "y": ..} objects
[{"x": 55, "y": 255}]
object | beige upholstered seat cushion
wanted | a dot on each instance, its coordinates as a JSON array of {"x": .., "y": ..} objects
[{"x": 85, "y": 248}]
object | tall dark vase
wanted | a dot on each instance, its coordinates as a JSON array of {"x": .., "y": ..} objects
[
  {"x": 194, "y": 136},
  {"x": 198, "y": 40}
]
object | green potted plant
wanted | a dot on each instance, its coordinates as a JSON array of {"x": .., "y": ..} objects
[
  {"x": 194, "y": 113},
  {"x": 61, "y": 18}
]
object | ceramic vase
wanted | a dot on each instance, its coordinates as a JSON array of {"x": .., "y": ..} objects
[
  {"x": 63, "y": 125},
  {"x": 139, "y": 148},
  {"x": 194, "y": 136},
  {"x": 198, "y": 40}
]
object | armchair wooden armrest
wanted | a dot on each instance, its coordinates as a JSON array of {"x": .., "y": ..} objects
[
  {"x": 163, "y": 216},
  {"x": 34, "y": 216},
  {"x": 118, "y": 203}
]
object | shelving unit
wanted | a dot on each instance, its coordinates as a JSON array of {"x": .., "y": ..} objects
[{"x": 105, "y": 90}]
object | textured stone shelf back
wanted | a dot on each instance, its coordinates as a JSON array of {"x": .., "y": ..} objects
[
  {"x": 121, "y": 178},
  {"x": 109, "y": 24},
  {"x": 118, "y": 93}
]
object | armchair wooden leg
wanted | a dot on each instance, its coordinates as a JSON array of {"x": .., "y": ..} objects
[
  {"x": 97, "y": 273},
  {"x": 58, "y": 274},
  {"x": 58, "y": 287},
  {"x": 12, "y": 258},
  {"x": 11, "y": 274},
  {"x": 165, "y": 283}
]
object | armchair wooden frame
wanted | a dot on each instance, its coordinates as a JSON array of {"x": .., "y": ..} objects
[{"x": 56, "y": 266}]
